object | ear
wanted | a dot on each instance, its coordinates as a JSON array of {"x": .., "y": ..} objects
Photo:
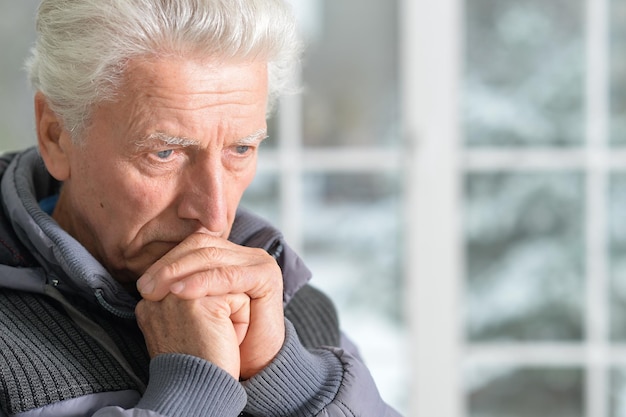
[{"x": 54, "y": 141}]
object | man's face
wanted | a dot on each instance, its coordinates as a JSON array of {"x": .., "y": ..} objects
[{"x": 171, "y": 157}]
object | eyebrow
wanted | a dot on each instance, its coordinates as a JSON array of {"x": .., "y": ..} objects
[
  {"x": 169, "y": 140},
  {"x": 257, "y": 136},
  {"x": 165, "y": 139}
]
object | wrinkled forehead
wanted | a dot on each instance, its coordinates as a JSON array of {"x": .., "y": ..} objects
[
  {"x": 185, "y": 102},
  {"x": 186, "y": 73}
]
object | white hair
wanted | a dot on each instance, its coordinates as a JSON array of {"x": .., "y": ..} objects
[{"x": 83, "y": 46}]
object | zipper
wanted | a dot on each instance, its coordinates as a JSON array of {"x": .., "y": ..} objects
[
  {"x": 97, "y": 333},
  {"x": 118, "y": 312}
]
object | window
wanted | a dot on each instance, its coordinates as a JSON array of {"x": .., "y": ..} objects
[{"x": 521, "y": 102}]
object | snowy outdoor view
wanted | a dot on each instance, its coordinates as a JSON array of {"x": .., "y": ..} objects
[
  {"x": 529, "y": 274},
  {"x": 331, "y": 177}
]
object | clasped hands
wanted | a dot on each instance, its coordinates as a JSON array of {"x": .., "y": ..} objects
[{"x": 216, "y": 300}]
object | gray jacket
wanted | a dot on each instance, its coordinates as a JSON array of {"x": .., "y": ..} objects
[{"x": 70, "y": 345}]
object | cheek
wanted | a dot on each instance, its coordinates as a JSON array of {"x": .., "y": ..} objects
[
  {"x": 136, "y": 199},
  {"x": 117, "y": 196},
  {"x": 148, "y": 199}
]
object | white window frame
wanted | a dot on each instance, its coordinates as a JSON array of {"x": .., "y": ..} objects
[{"x": 431, "y": 77}]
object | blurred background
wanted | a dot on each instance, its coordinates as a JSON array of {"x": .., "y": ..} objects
[{"x": 454, "y": 173}]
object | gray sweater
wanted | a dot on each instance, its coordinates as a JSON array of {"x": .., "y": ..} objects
[{"x": 70, "y": 345}]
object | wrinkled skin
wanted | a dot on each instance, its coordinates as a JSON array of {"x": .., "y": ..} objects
[{"x": 151, "y": 190}]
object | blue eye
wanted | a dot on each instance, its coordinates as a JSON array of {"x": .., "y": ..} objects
[
  {"x": 242, "y": 149},
  {"x": 165, "y": 154}
]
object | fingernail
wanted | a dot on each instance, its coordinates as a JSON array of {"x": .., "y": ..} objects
[
  {"x": 177, "y": 288},
  {"x": 145, "y": 286}
]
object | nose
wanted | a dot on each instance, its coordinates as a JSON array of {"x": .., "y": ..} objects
[{"x": 204, "y": 198}]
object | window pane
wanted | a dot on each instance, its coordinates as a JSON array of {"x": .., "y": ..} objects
[
  {"x": 618, "y": 72},
  {"x": 17, "y": 33},
  {"x": 525, "y": 263},
  {"x": 360, "y": 259},
  {"x": 350, "y": 75},
  {"x": 498, "y": 392},
  {"x": 524, "y": 66},
  {"x": 617, "y": 240},
  {"x": 351, "y": 242},
  {"x": 617, "y": 392},
  {"x": 271, "y": 142}
]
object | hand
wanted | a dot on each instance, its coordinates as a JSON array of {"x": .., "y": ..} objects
[
  {"x": 204, "y": 265},
  {"x": 211, "y": 328}
]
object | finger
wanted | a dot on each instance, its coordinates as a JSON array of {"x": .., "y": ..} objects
[
  {"x": 240, "y": 314},
  {"x": 191, "y": 243},
  {"x": 205, "y": 271},
  {"x": 265, "y": 336},
  {"x": 192, "y": 256},
  {"x": 211, "y": 327},
  {"x": 256, "y": 279}
]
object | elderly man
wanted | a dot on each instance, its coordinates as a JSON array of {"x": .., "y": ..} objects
[{"x": 131, "y": 284}]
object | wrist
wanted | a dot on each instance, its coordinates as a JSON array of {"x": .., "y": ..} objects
[
  {"x": 188, "y": 386},
  {"x": 295, "y": 380}
]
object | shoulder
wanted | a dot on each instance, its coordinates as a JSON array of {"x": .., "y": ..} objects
[
  {"x": 314, "y": 316},
  {"x": 12, "y": 252}
]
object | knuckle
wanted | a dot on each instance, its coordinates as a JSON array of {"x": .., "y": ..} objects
[
  {"x": 210, "y": 254},
  {"x": 142, "y": 312},
  {"x": 203, "y": 280},
  {"x": 200, "y": 283},
  {"x": 172, "y": 269},
  {"x": 140, "y": 308},
  {"x": 233, "y": 273},
  {"x": 222, "y": 310}
]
